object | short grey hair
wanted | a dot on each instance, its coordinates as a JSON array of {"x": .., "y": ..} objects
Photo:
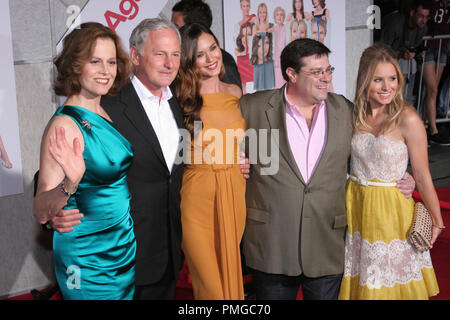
[{"x": 139, "y": 34}]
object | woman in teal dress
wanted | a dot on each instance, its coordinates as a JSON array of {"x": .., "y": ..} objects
[{"x": 83, "y": 167}]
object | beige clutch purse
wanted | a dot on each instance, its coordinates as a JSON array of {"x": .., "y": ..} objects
[{"x": 420, "y": 235}]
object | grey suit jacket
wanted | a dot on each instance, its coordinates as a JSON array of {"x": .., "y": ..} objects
[{"x": 293, "y": 227}]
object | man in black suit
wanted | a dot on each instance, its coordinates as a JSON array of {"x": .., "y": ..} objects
[
  {"x": 149, "y": 117},
  {"x": 189, "y": 11}
]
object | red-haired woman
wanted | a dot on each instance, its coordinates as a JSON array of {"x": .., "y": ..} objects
[{"x": 83, "y": 167}]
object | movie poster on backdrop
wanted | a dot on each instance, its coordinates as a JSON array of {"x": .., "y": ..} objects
[
  {"x": 122, "y": 16},
  {"x": 256, "y": 31},
  {"x": 11, "y": 178}
]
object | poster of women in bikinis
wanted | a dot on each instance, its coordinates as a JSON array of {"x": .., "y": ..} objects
[
  {"x": 11, "y": 179},
  {"x": 256, "y": 31}
]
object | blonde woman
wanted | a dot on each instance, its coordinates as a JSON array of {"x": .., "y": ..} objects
[
  {"x": 262, "y": 20},
  {"x": 298, "y": 30},
  {"x": 246, "y": 16},
  {"x": 262, "y": 51},
  {"x": 380, "y": 263},
  {"x": 280, "y": 41}
]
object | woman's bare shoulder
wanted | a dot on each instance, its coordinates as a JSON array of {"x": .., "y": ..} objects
[
  {"x": 71, "y": 129},
  {"x": 409, "y": 117},
  {"x": 232, "y": 89}
]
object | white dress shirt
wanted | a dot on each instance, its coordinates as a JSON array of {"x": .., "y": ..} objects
[{"x": 161, "y": 117}]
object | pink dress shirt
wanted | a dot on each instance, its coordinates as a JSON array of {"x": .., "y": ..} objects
[{"x": 307, "y": 145}]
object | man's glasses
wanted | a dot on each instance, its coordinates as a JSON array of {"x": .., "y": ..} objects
[{"x": 319, "y": 72}]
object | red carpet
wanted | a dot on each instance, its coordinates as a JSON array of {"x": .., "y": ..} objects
[
  {"x": 441, "y": 259},
  {"x": 439, "y": 254},
  {"x": 443, "y": 196},
  {"x": 441, "y": 249}
]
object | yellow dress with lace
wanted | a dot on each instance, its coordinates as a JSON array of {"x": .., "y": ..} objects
[
  {"x": 380, "y": 263},
  {"x": 213, "y": 201}
]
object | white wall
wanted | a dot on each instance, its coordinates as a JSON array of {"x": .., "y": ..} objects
[{"x": 358, "y": 37}]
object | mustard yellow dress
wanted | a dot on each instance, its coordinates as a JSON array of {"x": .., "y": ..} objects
[
  {"x": 380, "y": 263},
  {"x": 213, "y": 202}
]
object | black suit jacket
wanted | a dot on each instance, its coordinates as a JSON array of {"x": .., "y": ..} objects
[{"x": 155, "y": 191}]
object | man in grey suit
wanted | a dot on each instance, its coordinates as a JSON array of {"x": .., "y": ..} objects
[{"x": 296, "y": 217}]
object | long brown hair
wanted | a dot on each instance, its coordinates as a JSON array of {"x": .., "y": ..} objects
[
  {"x": 371, "y": 57},
  {"x": 188, "y": 80},
  {"x": 302, "y": 10},
  {"x": 78, "y": 47},
  {"x": 255, "y": 46}
]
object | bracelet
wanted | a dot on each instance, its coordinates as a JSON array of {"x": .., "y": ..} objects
[
  {"x": 442, "y": 227},
  {"x": 63, "y": 190},
  {"x": 47, "y": 226}
]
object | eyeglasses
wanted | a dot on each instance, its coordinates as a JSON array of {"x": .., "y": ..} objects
[{"x": 319, "y": 73}]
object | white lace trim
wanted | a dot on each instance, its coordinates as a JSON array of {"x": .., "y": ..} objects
[
  {"x": 378, "y": 157},
  {"x": 383, "y": 264}
]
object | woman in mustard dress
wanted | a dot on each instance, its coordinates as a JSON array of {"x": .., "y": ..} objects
[
  {"x": 213, "y": 188},
  {"x": 380, "y": 263}
]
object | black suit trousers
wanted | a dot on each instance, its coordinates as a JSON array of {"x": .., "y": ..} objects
[{"x": 282, "y": 287}]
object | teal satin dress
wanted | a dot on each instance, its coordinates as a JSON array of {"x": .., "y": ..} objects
[{"x": 97, "y": 259}]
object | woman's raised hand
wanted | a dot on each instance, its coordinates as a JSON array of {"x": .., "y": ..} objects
[{"x": 70, "y": 159}]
